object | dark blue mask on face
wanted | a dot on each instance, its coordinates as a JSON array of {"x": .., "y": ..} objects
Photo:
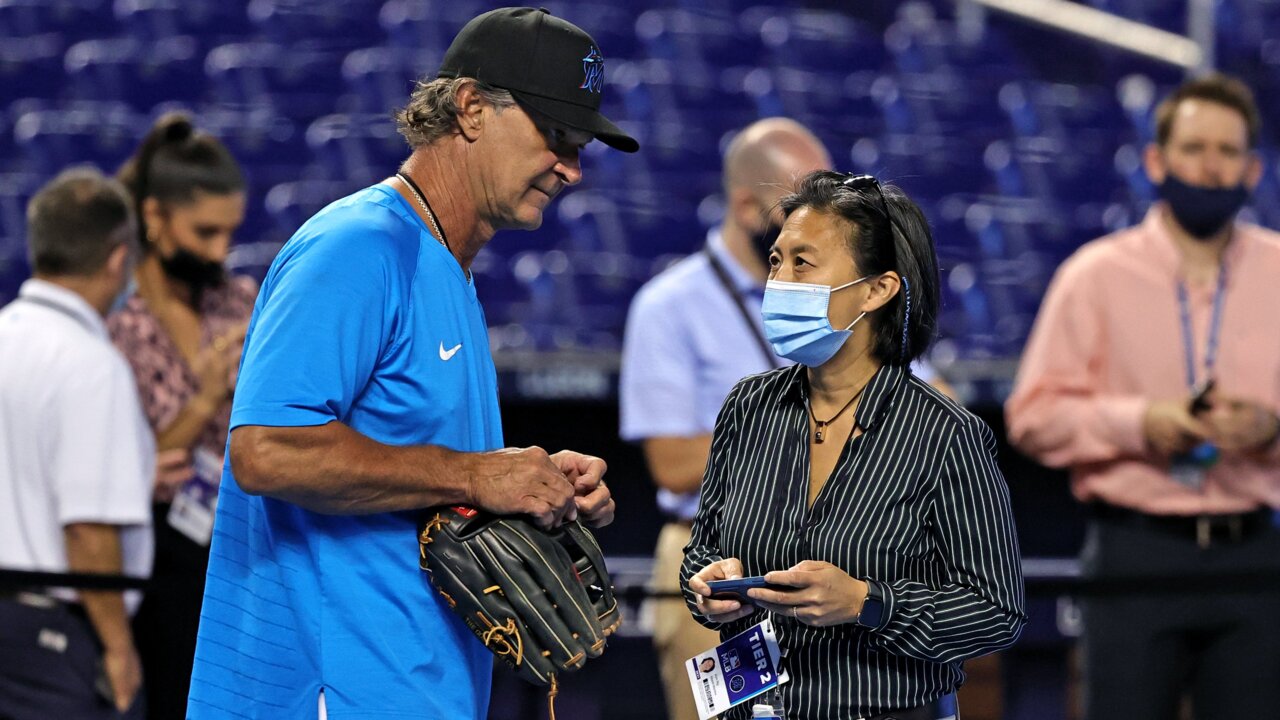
[{"x": 1202, "y": 211}]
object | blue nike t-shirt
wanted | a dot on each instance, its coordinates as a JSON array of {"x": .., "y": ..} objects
[{"x": 366, "y": 319}]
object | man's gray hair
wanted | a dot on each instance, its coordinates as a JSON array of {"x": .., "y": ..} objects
[{"x": 432, "y": 112}]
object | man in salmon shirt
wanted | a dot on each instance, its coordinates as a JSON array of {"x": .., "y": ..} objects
[{"x": 1153, "y": 374}]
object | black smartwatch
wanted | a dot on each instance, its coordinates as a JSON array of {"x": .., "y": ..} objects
[{"x": 872, "y": 608}]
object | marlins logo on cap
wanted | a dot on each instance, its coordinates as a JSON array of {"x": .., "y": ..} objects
[{"x": 593, "y": 69}]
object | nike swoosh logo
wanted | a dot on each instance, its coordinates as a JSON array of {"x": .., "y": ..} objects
[{"x": 447, "y": 354}]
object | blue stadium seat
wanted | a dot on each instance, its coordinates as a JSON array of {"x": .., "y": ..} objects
[
  {"x": 13, "y": 267},
  {"x": 102, "y": 134},
  {"x": 290, "y": 204},
  {"x": 253, "y": 258},
  {"x": 1137, "y": 95},
  {"x": 297, "y": 80},
  {"x": 820, "y": 40},
  {"x": 692, "y": 41},
  {"x": 1265, "y": 201},
  {"x": 15, "y": 190},
  {"x": 497, "y": 288},
  {"x": 926, "y": 165},
  {"x": 129, "y": 70},
  {"x": 150, "y": 20},
  {"x": 31, "y": 67},
  {"x": 74, "y": 19},
  {"x": 379, "y": 79},
  {"x": 612, "y": 26},
  {"x": 1025, "y": 117},
  {"x": 1128, "y": 166},
  {"x": 238, "y": 73},
  {"x": 426, "y": 26},
  {"x": 342, "y": 25},
  {"x": 356, "y": 148},
  {"x": 900, "y": 116}
]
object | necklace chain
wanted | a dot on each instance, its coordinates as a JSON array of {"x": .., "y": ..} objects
[
  {"x": 422, "y": 202},
  {"x": 818, "y": 434}
]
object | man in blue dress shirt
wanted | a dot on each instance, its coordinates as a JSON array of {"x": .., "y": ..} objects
[{"x": 367, "y": 392}]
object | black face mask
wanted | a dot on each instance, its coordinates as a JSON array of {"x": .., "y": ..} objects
[
  {"x": 1202, "y": 211},
  {"x": 199, "y": 274},
  {"x": 763, "y": 241}
]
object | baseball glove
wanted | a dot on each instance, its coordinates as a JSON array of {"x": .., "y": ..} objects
[{"x": 540, "y": 600}]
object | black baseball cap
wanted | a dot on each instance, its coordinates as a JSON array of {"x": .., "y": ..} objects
[{"x": 548, "y": 64}]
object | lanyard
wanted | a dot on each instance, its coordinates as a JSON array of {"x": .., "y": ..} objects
[
  {"x": 1188, "y": 338},
  {"x": 58, "y": 308},
  {"x": 723, "y": 276}
]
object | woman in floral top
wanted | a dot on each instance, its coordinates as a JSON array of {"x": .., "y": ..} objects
[{"x": 182, "y": 331}]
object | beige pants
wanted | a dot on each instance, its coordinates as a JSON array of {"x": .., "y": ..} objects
[{"x": 676, "y": 635}]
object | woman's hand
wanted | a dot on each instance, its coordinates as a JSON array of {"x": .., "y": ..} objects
[
  {"x": 824, "y": 594},
  {"x": 215, "y": 366},
  {"x": 721, "y": 611},
  {"x": 173, "y": 470}
]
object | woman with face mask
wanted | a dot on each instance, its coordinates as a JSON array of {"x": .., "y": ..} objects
[
  {"x": 870, "y": 502},
  {"x": 181, "y": 328}
]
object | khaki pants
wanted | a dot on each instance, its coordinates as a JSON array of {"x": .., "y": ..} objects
[{"x": 676, "y": 635}]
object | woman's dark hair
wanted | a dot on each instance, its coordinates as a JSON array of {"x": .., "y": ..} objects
[
  {"x": 174, "y": 161},
  {"x": 905, "y": 326}
]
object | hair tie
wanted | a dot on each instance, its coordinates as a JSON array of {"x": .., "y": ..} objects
[
  {"x": 906, "y": 320},
  {"x": 178, "y": 129}
]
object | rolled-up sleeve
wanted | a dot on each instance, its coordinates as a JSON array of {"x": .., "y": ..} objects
[{"x": 979, "y": 607}]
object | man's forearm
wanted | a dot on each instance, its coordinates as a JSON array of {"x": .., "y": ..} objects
[
  {"x": 95, "y": 548},
  {"x": 334, "y": 469},
  {"x": 678, "y": 463}
]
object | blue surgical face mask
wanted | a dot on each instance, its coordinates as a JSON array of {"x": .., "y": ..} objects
[{"x": 796, "y": 323}]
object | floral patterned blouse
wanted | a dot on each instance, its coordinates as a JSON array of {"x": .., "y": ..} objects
[{"x": 165, "y": 382}]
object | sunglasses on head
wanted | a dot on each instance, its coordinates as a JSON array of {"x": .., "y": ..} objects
[{"x": 869, "y": 182}]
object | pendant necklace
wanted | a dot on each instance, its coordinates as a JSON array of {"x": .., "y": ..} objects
[{"x": 818, "y": 434}]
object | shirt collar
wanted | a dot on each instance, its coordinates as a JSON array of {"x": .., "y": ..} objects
[
  {"x": 876, "y": 398},
  {"x": 67, "y": 300},
  {"x": 741, "y": 277},
  {"x": 1163, "y": 249}
]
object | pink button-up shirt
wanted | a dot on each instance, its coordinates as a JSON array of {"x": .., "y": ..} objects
[{"x": 1109, "y": 340}]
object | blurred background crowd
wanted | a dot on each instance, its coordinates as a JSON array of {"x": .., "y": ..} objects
[{"x": 1019, "y": 141}]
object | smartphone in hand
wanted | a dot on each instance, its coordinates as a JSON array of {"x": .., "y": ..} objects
[{"x": 736, "y": 589}]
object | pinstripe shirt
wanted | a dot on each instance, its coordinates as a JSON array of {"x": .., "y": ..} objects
[{"x": 915, "y": 505}]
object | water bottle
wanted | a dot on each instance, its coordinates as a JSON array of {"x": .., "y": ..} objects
[{"x": 769, "y": 709}]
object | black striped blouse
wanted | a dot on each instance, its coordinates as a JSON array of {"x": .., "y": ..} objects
[{"x": 915, "y": 504}]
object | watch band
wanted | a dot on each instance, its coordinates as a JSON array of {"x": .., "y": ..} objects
[{"x": 872, "y": 611}]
